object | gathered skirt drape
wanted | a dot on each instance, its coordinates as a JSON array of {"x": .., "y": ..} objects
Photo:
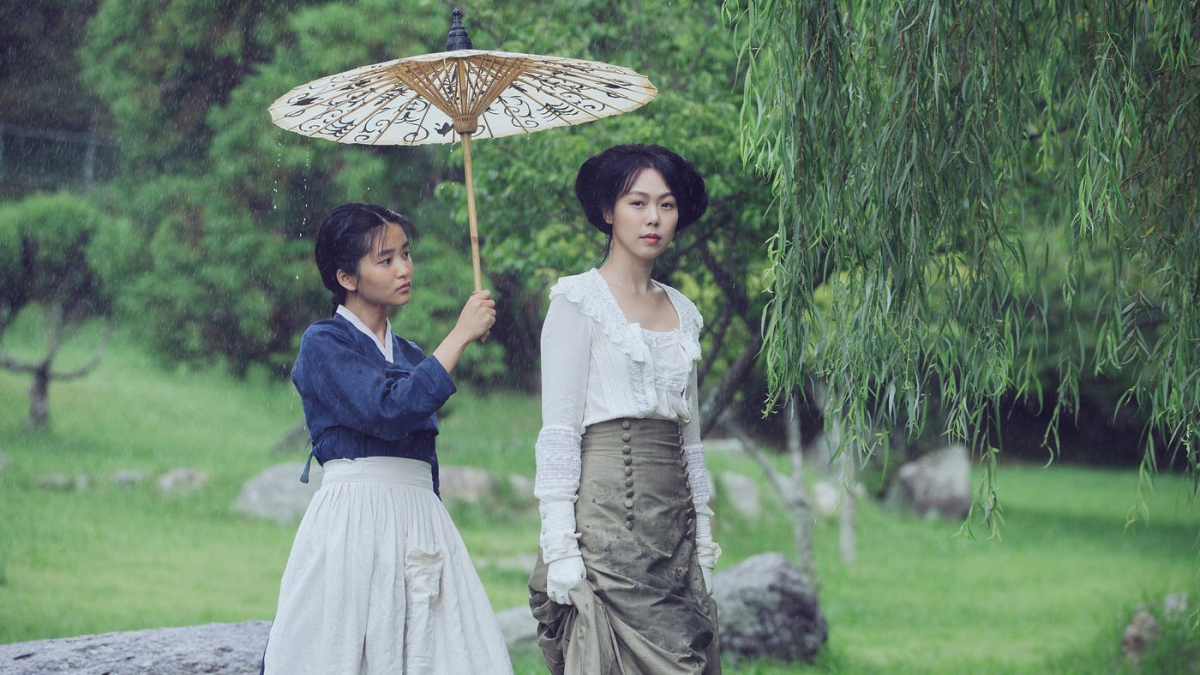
[
  {"x": 643, "y": 607},
  {"x": 380, "y": 582}
]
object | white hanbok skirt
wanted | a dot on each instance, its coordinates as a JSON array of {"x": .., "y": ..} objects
[{"x": 379, "y": 581}]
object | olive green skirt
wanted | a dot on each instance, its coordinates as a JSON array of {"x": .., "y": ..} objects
[{"x": 643, "y": 607}]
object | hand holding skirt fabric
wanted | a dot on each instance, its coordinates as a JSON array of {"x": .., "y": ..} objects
[
  {"x": 707, "y": 550},
  {"x": 561, "y": 576}
]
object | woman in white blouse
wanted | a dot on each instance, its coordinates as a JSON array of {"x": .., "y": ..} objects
[{"x": 623, "y": 581}]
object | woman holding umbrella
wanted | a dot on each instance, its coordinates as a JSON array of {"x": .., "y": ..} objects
[
  {"x": 624, "y": 580},
  {"x": 379, "y": 581}
]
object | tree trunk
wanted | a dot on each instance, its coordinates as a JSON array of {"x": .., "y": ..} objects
[
  {"x": 39, "y": 398},
  {"x": 54, "y": 325},
  {"x": 792, "y": 493},
  {"x": 848, "y": 461},
  {"x": 57, "y": 329},
  {"x": 719, "y": 397},
  {"x": 848, "y": 530},
  {"x": 801, "y": 510}
]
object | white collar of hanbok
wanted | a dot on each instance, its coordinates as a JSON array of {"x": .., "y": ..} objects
[{"x": 384, "y": 347}]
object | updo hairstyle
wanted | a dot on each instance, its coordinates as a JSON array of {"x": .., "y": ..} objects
[{"x": 605, "y": 177}]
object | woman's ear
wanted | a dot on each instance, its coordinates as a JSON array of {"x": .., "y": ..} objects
[
  {"x": 347, "y": 280},
  {"x": 608, "y": 216}
]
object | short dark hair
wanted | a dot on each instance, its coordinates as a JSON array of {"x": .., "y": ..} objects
[
  {"x": 346, "y": 235},
  {"x": 605, "y": 177}
]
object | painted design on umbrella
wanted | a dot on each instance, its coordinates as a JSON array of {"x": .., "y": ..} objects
[{"x": 458, "y": 94}]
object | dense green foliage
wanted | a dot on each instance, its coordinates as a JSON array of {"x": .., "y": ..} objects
[
  {"x": 964, "y": 204},
  {"x": 913, "y": 146},
  {"x": 60, "y": 249},
  {"x": 229, "y": 201},
  {"x": 1051, "y": 596},
  {"x": 38, "y": 88},
  {"x": 225, "y": 198},
  {"x": 533, "y": 227}
]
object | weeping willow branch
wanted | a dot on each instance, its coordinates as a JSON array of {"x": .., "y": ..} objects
[{"x": 931, "y": 160}]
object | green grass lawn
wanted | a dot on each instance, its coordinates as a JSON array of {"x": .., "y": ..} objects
[{"x": 1051, "y": 595}]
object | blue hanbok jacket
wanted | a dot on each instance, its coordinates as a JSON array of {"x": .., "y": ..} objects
[{"x": 356, "y": 404}]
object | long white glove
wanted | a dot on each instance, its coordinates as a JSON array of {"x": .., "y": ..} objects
[
  {"x": 707, "y": 550},
  {"x": 560, "y": 550},
  {"x": 561, "y": 576}
]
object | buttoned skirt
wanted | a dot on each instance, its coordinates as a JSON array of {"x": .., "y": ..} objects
[
  {"x": 643, "y": 607},
  {"x": 379, "y": 581}
]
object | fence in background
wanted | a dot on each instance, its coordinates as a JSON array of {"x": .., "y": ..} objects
[{"x": 35, "y": 160}]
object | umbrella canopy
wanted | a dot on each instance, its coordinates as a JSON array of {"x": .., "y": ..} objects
[{"x": 458, "y": 94}]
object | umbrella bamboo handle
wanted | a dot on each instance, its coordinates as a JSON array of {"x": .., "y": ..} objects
[{"x": 466, "y": 141}]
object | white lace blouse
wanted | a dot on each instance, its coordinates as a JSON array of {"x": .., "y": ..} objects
[{"x": 596, "y": 366}]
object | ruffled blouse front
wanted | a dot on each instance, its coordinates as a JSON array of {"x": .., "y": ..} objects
[
  {"x": 597, "y": 366},
  {"x": 672, "y": 367}
]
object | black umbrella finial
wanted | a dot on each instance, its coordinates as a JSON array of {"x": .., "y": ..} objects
[{"x": 458, "y": 38}]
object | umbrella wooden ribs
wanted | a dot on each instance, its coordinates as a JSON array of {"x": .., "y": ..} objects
[{"x": 459, "y": 94}]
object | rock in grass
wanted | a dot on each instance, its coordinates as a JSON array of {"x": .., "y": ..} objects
[
  {"x": 766, "y": 608},
  {"x": 476, "y": 486},
  {"x": 276, "y": 493},
  {"x": 1141, "y": 634},
  {"x": 742, "y": 494},
  {"x": 182, "y": 480},
  {"x": 522, "y": 487},
  {"x": 216, "y": 649},
  {"x": 466, "y": 484},
  {"x": 220, "y": 649},
  {"x": 519, "y": 628},
  {"x": 826, "y": 498},
  {"x": 129, "y": 477},
  {"x": 58, "y": 481},
  {"x": 937, "y": 484}
]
